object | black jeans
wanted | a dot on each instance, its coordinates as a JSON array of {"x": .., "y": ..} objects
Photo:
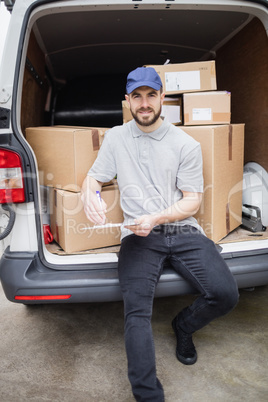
[{"x": 141, "y": 260}]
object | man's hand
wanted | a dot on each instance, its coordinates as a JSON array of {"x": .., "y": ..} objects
[
  {"x": 94, "y": 206},
  {"x": 143, "y": 226}
]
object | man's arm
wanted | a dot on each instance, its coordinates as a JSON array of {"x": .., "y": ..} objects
[
  {"x": 182, "y": 209},
  {"x": 187, "y": 206},
  {"x": 94, "y": 207}
]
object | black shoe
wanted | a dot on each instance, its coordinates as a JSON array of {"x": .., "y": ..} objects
[{"x": 185, "y": 350}]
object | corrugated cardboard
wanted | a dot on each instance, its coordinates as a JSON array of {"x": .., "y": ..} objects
[
  {"x": 101, "y": 130},
  {"x": 127, "y": 115},
  {"x": 171, "y": 110},
  {"x": 223, "y": 150},
  {"x": 212, "y": 107},
  {"x": 70, "y": 226},
  {"x": 187, "y": 77},
  {"x": 64, "y": 154}
]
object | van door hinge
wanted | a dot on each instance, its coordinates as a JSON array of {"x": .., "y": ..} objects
[
  {"x": 33, "y": 72},
  {"x": 4, "y": 117}
]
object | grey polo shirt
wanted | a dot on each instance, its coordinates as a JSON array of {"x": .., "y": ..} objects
[{"x": 151, "y": 168}]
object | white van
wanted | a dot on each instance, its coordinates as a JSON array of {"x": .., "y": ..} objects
[{"x": 65, "y": 64}]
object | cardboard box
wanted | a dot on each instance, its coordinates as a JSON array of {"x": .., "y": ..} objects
[
  {"x": 127, "y": 116},
  {"x": 171, "y": 110},
  {"x": 101, "y": 130},
  {"x": 70, "y": 226},
  {"x": 187, "y": 77},
  {"x": 212, "y": 107},
  {"x": 64, "y": 154},
  {"x": 223, "y": 150}
]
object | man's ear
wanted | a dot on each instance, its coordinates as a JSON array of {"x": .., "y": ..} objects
[
  {"x": 127, "y": 99},
  {"x": 162, "y": 97}
]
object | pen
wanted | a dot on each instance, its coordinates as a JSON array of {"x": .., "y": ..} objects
[{"x": 99, "y": 198}]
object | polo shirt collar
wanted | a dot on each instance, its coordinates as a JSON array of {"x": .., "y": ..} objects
[{"x": 155, "y": 135}]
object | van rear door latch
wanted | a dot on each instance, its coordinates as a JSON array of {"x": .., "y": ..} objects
[{"x": 4, "y": 117}]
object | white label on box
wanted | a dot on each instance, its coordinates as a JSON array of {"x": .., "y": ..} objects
[
  {"x": 202, "y": 114},
  {"x": 171, "y": 113},
  {"x": 182, "y": 80}
]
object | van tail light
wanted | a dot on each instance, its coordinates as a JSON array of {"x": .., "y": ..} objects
[{"x": 11, "y": 177}]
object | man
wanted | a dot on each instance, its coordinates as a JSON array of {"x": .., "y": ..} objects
[{"x": 159, "y": 173}]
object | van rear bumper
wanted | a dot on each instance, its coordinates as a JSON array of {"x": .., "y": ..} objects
[{"x": 24, "y": 274}]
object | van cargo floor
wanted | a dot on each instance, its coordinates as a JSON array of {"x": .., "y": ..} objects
[
  {"x": 240, "y": 234},
  {"x": 237, "y": 235}
]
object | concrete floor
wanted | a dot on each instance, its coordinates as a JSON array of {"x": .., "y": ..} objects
[{"x": 75, "y": 353}]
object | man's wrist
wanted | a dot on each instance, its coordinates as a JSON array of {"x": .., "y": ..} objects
[{"x": 160, "y": 218}]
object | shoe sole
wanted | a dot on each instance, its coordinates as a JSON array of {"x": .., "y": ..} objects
[{"x": 182, "y": 359}]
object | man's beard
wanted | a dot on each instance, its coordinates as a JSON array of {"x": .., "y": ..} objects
[{"x": 147, "y": 121}]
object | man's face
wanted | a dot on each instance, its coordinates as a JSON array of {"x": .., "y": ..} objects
[{"x": 145, "y": 105}]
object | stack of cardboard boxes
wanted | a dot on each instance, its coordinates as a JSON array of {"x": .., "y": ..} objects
[
  {"x": 64, "y": 156},
  {"x": 206, "y": 116}
]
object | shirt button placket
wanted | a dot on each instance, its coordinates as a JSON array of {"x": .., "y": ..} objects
[{"x": 144, "y": 154}]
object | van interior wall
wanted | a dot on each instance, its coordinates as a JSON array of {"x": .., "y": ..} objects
[
  {"x": 35, "y": 87},
  {"x": 242, "y": 69},
  {"x": 93, "y": 101}
]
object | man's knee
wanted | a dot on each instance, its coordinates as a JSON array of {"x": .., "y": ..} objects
[{"x": 226, "y": 298}]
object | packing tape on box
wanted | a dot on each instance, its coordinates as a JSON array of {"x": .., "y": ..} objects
[
  {"x": 230, "y": 142},
  {"x": 95, "y": 140},
  {"x": 227, "y": 218},
  {"x": 186, "y": 118},
  {"x": 219, "y": 117}
]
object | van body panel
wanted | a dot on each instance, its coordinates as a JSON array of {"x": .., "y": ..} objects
[
  {"x": 24, "y": 234},
  {"x": 23, "y": 274}
]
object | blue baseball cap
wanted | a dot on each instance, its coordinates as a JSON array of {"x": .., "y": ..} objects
[{"x": 143, "y": 76}]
